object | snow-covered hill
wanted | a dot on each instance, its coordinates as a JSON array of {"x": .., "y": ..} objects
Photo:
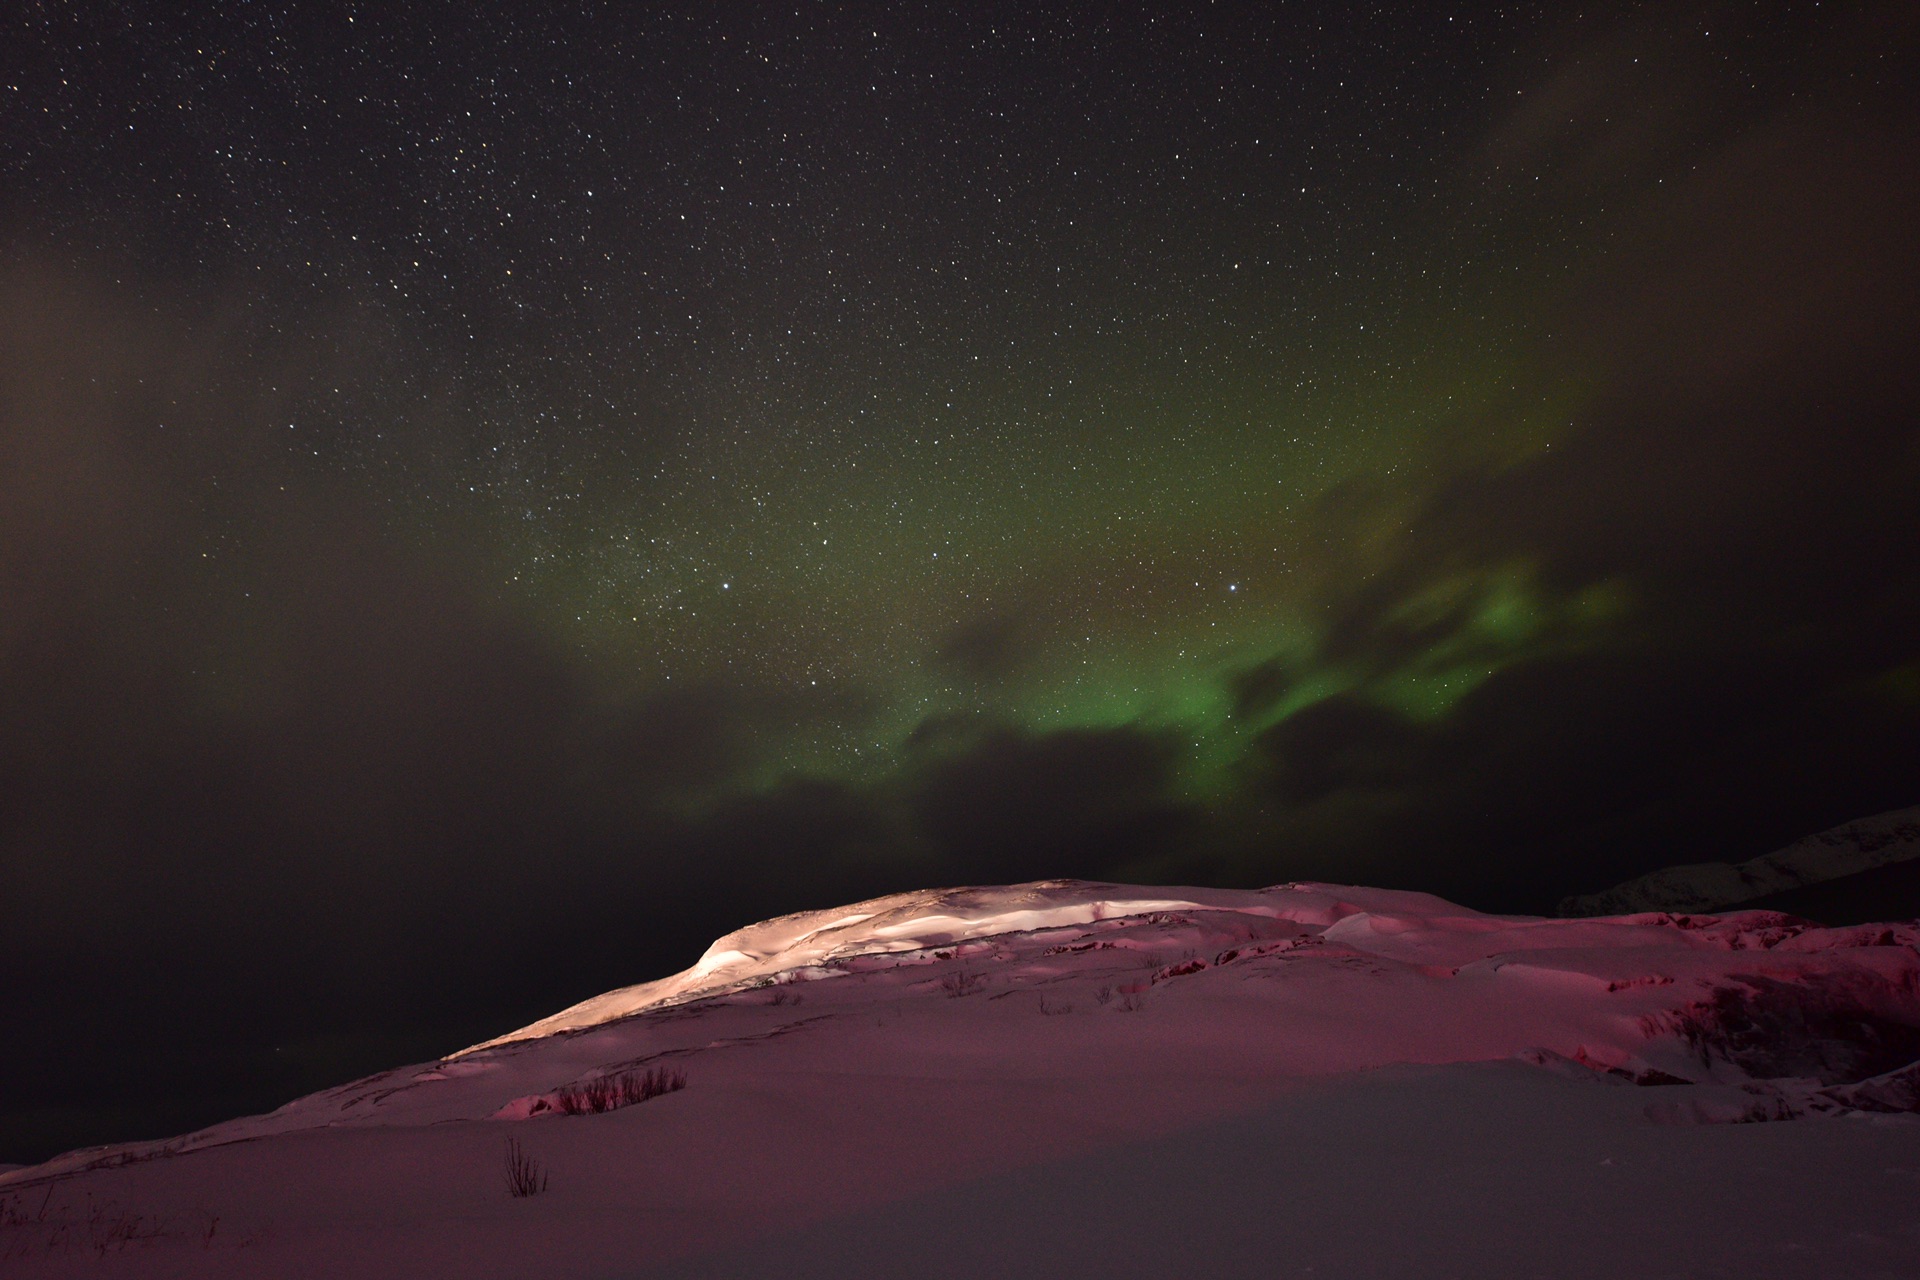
[
  {"x": 1865, "y": 844},
  {"x": 1152, "y": 1081}
]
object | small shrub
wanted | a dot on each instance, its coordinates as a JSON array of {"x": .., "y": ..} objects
[
  {"x": 609, "y": 1093},
  {"x": 1131, "y": 1002},
  {"x": 525, "y": 1175},
  {"x": 112, "y": 1229},
  {"x": 1054, "y": 1010},
  {"x": 13, "y": 1213},
  {"x": 1103, "y": 996},
  {"x": 589, "y": 1099},
  {"x": 640, "y": 1086},
  {"x": 1826, "y": 1028},
  {"x": 959, "y": 983}
]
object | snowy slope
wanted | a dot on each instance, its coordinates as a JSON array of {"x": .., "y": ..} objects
[
  {"x": 900, "y": 923},
  {"x": 1862, "y": 845},
  {"x": 863, "y": 1075}
]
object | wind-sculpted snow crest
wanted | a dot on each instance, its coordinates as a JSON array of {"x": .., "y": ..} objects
[{"x": 906, "y": 922}]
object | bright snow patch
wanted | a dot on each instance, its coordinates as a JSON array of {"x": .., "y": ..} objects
[{"x": 796, "y": 946}]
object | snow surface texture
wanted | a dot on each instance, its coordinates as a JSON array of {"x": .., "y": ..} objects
[
  {"x": 1861, "y": 845},
  {"x": 1070, "y": 1077}
]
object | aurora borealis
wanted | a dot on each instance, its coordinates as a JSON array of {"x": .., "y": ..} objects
[{"x": 492, "y": 497}]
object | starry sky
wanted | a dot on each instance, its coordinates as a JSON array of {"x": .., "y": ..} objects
[{"x": 493, "y": 496}]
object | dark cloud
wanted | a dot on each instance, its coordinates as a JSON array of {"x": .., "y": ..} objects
[
  {"x": 1080, "y": 802},
  {"x": 688, "y": 743},
  {"x": 1343, "y": 743},
  {"x": 1261, "y": 687},
  {"x": 990, "y": 647},
  {"x": 1582, "y": 770},
  {"x": 1736, "y": 464}
]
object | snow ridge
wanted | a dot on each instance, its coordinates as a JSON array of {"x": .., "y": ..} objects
[
  {"x": 1848, "y": 849},
  {"x": 902, "y": 922}
]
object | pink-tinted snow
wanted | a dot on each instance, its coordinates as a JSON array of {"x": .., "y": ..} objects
[{"x": 855, "y": 1075}]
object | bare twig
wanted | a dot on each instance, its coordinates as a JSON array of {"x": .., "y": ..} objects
[{"x": 525, "y": 1175}]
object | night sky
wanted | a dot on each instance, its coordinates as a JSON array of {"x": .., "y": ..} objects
[{"x": 492, "y": 497}]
